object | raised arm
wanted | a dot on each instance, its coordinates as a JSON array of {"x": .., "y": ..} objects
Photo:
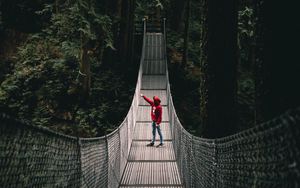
[{"x": 148, "y": 100}]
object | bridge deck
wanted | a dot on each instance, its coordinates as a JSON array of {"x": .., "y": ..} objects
[{"x": 152, "y": 166}]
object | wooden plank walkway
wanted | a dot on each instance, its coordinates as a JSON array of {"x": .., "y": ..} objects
[{"x": 151, "y": 166}]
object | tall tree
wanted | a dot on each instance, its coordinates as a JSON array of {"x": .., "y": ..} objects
[
  {"x": 95, "y": 35},
  {"x": 219, "y": 66},
  {"x": 204, "y": 66},
  {"x": 263, "y": 56},
  {"x": 186, "y": 33},
  {"x": 176, "y": 20},
  {"x": 85, "y": 67},
  {"x": 84, "y": 62},
  {"x": 276, "y": 72},
  {"x": 114, "y": 9},
  {"x": 125, "y": 39}
]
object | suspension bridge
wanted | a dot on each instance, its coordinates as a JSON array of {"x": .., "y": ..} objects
[{"x": 265, "y": 156}]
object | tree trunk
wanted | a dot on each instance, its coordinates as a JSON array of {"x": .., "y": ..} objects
[
  {"x": 276, "y": 71},
  {"x": 262, "y": 59},
  {"x": 85, "y": 72},
  {"x": 186, "y": 35},
  {"x": 219, "y": 82},
  {"x": 131, "y": 32},
  {"x": 119, "y": 8},
  {"x": 126, "y": 30},
  {"x": 84, "y": 67},
  {"x": 111, "y": 56},
  {"x": 178, "y": 14},
  {"x": 56, "y": 6},
  {"x": 204, "y": 67}
]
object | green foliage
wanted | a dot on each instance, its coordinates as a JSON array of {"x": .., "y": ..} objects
[
  {"x": 246, "y": 102},
  {"x": 194, "y": 41},
  {"x": 44, "y": 90},
  {"x": 140, "y": 10},
  {"x": 144, "y": 7},
  {"x": 158, "y": 4},
  {"x": 185, "y": 83},
  {"x": 175, "y": 40},
  {"x": 42, "y": 86},
  {"x": 246, "y": 25},
  {"x": 80, "y": 19},
  {"x": 246, "y": 86}
]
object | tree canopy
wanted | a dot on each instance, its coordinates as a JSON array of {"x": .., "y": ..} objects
[{"x": 72, "y": 65}]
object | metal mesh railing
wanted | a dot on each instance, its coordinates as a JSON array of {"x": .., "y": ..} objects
[
  {"x": 94, "y": 162},
  {"x": 265, "y": 156},
  {"x": 38, "y": 157},
  {"x": 32, "y": 157}
]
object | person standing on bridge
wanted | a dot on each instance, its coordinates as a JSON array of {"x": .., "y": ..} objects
[{"x": 156, "y": 116}]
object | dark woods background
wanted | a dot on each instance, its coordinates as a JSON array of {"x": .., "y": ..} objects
[
  {"x": 71, "y": 65},
  {"x": 68, "y": 65},
  {"x": 241, "y": 65}
]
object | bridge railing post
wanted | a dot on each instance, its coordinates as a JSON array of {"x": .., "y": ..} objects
[
  {"x": 215, "y": 165},
  {"x": 145, "y": 25},
  {"x": 130, "y": 128},
  {"x": 164, "y": 20},
  {"x": 165, "y": 46},
  {"x": 120, "y": 155},
  {"x": 80, "y": 161},
  {"x": 107, "y": 160},
  {"x": 190, "y": 156}
]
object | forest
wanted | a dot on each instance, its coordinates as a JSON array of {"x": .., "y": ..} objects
[{"x": 72, "y": 65}]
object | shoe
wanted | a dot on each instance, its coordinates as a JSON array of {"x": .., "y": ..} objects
[
  {"x": 150, "y": 144},
  {"x": 159, "y": 145}
]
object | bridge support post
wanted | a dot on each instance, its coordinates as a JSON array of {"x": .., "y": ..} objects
[
  {"x": 80, "y": 161},
  {"x": 107, "y": 158},
  {"x": 215, "y": 182},
  {"x": 190, "y": 156}
]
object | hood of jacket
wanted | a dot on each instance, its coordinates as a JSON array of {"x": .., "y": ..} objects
[{"x": 156, "y": 100}]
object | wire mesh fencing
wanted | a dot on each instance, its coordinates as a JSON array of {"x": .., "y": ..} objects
[
  {"x": 38, "y": 157},
  {"x": 265, "y": 156}
]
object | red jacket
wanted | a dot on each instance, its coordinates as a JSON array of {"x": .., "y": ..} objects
[{"x": 156, "y": 109}]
